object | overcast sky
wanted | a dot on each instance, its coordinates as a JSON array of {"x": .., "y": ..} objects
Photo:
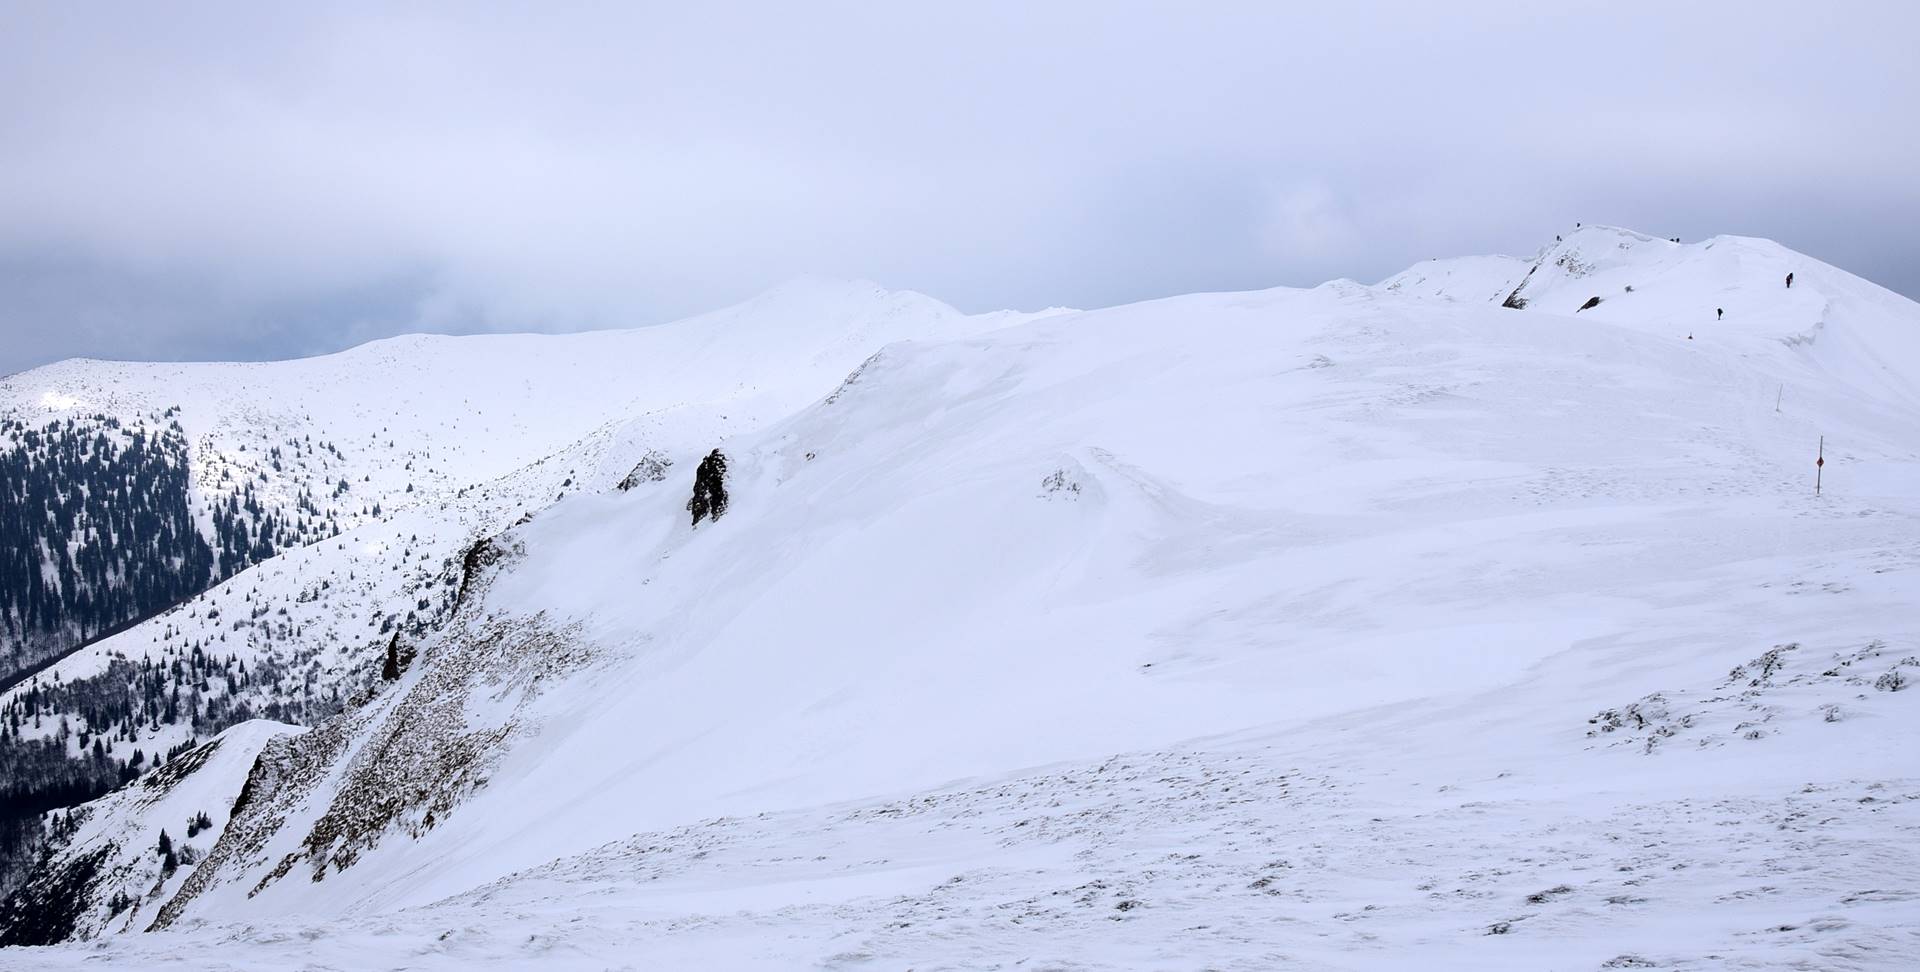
[{"x": 267, "y": 180}]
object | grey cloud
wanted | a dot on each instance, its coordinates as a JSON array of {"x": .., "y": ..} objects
[{"x": 254, "y": 180}]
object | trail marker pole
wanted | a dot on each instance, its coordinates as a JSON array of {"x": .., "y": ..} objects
[
  {"x": 1777, "y": 397},
  {"x": 1819, "y": 465}
]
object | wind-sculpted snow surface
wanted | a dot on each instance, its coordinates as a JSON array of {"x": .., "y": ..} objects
[
  {"x": 1777, "y": 692},
  {"x": 1354, "y": 627},
  {"x": 1231, "y": 856}
]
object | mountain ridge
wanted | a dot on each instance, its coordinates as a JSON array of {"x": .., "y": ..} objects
[{"x": 1257, "y": 530}]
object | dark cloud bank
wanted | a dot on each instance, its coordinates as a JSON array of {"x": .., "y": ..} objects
[{"x": 247, "y": 180}]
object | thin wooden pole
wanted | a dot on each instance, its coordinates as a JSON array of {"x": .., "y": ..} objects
[{"x": 1819, "y": 465}]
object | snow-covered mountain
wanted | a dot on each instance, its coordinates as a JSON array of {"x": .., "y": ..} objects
[
  {"x": 382, "y": 466},
  {"x": 1456, "y": 621},
  {"x": 1730, "y": 290}
]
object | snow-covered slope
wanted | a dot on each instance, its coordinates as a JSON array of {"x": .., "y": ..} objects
[
  {"x": 1350, "y": 627},
  {"x": 123, "y": 855},
  {"x": 1476, "y": 279},
  {"x": 442, "y": 413},
  {"x": 417, "y": 447},
  {"x": 1729, "y": 290}
]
